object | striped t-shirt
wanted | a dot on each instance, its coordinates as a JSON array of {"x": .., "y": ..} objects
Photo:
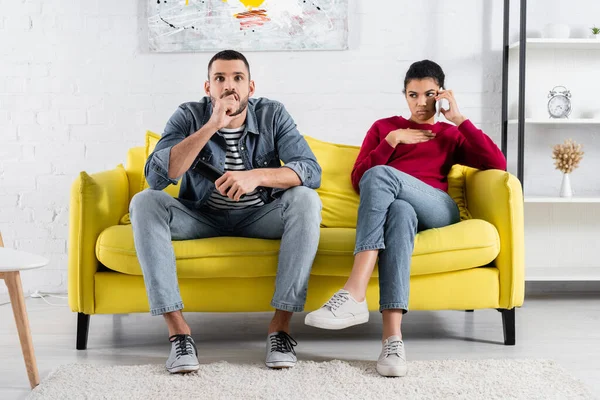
[{"x": 233, "y": 162}]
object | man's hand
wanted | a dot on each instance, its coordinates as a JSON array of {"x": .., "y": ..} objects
[
  {"x": 408, "y": 136},
  {"x": 234, "y": 184},
  {"x": 223, "y": 108}
]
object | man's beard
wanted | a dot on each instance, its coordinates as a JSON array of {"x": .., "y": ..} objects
[{"x": 241, "y": 108}]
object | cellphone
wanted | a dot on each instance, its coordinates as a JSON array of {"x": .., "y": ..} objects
[
  {"x": 443, "y": 103},
  {"x": 208, "y": 171}
]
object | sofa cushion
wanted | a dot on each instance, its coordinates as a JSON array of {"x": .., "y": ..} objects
[
  {"x": 151, "y": 140},
  {"x": 457, "y": 189},
  {"x": 136, "y": 163},
  {"x": 340, "y": 201},
  {"x": 464, "y": 245}
]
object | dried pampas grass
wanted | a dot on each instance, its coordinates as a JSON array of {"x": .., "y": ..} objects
[{"x": 567, "y": 156}]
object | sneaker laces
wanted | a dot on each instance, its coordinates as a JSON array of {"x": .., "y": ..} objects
[
  {"x": 337, "y": 300},
  {"x": 184, "y": 346},
  {"x": 281, "y": 342},
  {"x": 394, "y": 348}
]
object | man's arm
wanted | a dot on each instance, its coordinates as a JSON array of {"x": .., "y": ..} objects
[
  {"x": 234, "y": 184},
  {"x": 280, "y": 178},
  {"x": 156, "y": 169},
  {"x": 175, "y": 153},
  {"x": 184, "y": 153},
  {"x": 301, "y": 167},
  {"x": 295, "y": 152}
]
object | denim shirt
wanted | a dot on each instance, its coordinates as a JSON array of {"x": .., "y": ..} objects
[{"x": 270, "y": 136}]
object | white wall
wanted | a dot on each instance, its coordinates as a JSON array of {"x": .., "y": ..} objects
[{"x": 78, "y": 87}]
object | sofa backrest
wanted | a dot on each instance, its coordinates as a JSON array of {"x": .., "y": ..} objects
[
  {"x": 340, "y": 201},
  {"x": 135, "y": 169}
]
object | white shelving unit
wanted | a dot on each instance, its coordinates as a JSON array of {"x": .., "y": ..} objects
[
  {"x": 571, "y": 44},
  {"x": 558, "y": 46},
  {"x": 562, "y": 274},
  {"x": 551, "y": 199},
  {"x": 546, "y": 209},
  {"x": 567, "y": 121}
]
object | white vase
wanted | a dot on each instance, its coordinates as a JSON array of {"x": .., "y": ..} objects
[{"x": 565, "y": 187}]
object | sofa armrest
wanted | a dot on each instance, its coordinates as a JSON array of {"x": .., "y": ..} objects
[
  {"x": 97, "y": 202},
  {"x": 497, "y": 197}
]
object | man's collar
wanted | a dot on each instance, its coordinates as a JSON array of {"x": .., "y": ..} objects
[{"x": 251, "y": 125}]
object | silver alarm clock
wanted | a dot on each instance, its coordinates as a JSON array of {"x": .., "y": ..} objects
[{"x": 559, "y": 105}]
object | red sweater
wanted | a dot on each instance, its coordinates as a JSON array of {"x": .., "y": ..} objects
[{"x": 428, "y": 161}]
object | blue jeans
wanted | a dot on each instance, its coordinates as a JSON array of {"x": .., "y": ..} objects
[
  {"x": 158, "y": 218},
  {"x": 394, "y": 206}
]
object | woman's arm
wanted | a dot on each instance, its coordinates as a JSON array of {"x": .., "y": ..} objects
[
  {"x": 373, "y": 151},
  {"x": 474, "y": 149}
]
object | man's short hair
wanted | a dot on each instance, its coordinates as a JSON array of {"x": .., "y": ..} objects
[{"x": 228, "y": 55}]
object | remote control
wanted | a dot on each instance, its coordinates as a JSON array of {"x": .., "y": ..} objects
[{"x": 208, "y": 171}]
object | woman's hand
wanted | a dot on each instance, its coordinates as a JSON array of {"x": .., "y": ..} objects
[
  {"x": 408, "y": 136},
  {"x": 452, "y": 114}
]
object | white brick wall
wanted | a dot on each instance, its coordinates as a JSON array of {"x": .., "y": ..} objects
[{"x": 78, "y": 87}]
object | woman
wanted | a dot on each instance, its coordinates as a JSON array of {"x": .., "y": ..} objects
[{"x": 400, "y": 174}]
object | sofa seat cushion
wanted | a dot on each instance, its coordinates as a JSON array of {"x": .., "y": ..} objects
[{"x": 467, "y": 244}]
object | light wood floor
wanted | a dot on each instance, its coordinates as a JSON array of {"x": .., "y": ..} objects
[{"x": 565, "y": 328}]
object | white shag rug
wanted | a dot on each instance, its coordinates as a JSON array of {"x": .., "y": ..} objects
[{"x": 450, "y": 379}]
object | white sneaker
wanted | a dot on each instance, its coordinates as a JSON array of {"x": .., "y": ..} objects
[
  {"x": 392, "y": 361},
  {"x": 341, "y": 311}
]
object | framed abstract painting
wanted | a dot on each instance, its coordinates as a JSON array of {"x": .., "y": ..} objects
[{"x": 247, "y": 25}]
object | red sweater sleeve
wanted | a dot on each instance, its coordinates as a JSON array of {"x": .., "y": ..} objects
[
  {"x": 373, "y": 151},
  {"x": 477, "y": 150}
]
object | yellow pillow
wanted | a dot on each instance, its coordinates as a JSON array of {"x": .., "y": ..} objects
[
  {"x": 340, "y": 201},
  {"x": 151, "y": 141},
  {"x": 457, "y": 189}
]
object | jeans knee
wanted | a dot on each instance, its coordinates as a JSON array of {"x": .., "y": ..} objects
[
  {"x": 372, "y": 178},
  {"x": 401, "y": 211},
  {"x": 147, "y": 200},
  {"x": 303, "y": 200}
]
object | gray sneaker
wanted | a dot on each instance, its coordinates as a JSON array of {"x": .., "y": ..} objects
[
  {"x": 280, "y": 350},
  {"x": 184, "y": 355},
  {"x": 392, "y": 361}
]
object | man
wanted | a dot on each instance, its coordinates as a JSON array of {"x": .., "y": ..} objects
[{"x": 255, "y": 197}]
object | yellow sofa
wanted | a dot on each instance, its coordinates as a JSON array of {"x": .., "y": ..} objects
[{"x": 477, "y": 263}]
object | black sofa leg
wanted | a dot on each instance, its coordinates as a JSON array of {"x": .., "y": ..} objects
[
  {"x": 469, "y": 310},
  {"x": 83, "y": 327},
  {"x": 508, "y": 323}
]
